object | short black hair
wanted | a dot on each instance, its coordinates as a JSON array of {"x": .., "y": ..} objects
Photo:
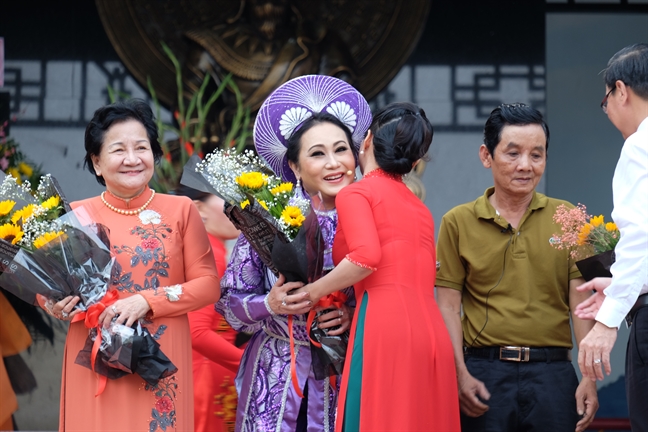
[
  {"x": 402, "y": 134},
  {"x": 629, "y": 65},
  {"x": 516, "y": 114},
  {"x": 294, "y": 142},
  {"x": 118, "y": 112}
]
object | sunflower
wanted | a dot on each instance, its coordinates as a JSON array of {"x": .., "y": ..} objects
[
  {"x": 46, "y": 238},
  {"x": 252, "y": 180},
  {"x": 292, "y": 216},
  {"x": 6, "y": 206},
  {"x": 584, "y": 233},
  {"x": 11, "y": 233},
  {"x": 611, "y": 227},
  {"x": 51, "y": 202},
  {"x": 247, "y": 203},
  {"x": 597, "y": 220},
  {"x": 23, "y": 213},
  {"x": 282, "y": 188}
]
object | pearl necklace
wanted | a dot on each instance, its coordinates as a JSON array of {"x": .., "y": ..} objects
[{"x": 127, "y": 212}]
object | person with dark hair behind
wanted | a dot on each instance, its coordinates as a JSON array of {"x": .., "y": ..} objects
[
  {"x": 215, "y": 355},
  {"x": 512, "y": 345},
  {"x": 400, "y": 374},
  {"x": 626, "y": 293},
  {"x": 164, "y": 268}
]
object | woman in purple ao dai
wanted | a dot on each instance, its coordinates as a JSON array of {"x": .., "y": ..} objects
[{"x": 308, "y": 130}]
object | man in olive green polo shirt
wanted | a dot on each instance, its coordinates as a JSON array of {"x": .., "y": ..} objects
[{"x": 512, "y": 344}]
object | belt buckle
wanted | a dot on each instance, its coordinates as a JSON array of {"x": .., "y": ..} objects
[{"x": 523, "y": 354}]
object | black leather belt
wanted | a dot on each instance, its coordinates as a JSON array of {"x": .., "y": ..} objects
[
  {"x": 521, "y": 354},
  {"x": 641, "y": 302}
]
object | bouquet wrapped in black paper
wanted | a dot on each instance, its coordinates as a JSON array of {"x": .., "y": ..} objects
[
  {"x": 48, "y": 249},
  {"x": 591, "y": 240}
]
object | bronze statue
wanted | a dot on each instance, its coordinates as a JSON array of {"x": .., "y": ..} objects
[
  {"x": 267, "y": 43},
  {"x": 263, "y": 43}
]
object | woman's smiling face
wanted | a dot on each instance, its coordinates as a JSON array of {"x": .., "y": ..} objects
[
  {"x": 125, "y": 161},
  {"x": 325, "y": 158}
]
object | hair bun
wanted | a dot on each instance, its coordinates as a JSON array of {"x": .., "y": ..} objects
[{"x": 402, "y": 135}]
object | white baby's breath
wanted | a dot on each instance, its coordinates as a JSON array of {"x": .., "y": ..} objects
[
  {"x": 221, "y": 169},
  {"x": 11, "y": 190}
]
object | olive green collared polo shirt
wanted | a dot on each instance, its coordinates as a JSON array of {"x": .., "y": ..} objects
[{"x": 513, "y": 274}]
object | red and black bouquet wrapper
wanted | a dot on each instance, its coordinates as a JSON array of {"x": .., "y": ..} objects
[
  {"x": 596, "y": 265},
  {"x": 127, "y": 351},
  {"x": 301, "y": 260}
]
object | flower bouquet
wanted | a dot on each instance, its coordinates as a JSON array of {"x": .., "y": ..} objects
[
  {"x": 48, "y": 249},
  {"x": 591, "y": 240},
  {"x": 264, "y": 208},
  {"x": 45, "y": 249}
]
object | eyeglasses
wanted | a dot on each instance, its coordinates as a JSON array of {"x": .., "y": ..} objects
[{"x": 605, "y": 101}]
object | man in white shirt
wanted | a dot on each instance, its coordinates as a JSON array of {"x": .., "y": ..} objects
[{"x": 626, "y": 293}]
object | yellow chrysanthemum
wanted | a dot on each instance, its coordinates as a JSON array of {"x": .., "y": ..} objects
[
  {"x": 245, "y": 204},
  {"x": 252, "y": 180},
  {"x": 6, "y": 207},
  {"x": 597, "y": 220},
  {"x": 51, "y": 202},
  {"x": 584, "y": 233},
  {"x": 282, "y": 188},
  {"x": 292, "y": 216},
  {"x": 46, "y": 238},
  {"x": 611, "y": 226},
  {"x": 11, "y": 233},
  {"x": 15, "y": 173},
  {"x": 263, "y": 204},
  {"x": 25, "y": 169},
  {"x": 23, "y": 213}
]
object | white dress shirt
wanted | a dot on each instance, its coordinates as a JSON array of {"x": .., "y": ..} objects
[{"x": 630, "y": 194}]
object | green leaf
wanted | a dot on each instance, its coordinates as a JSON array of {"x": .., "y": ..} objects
[
  {"x": 111, "y": 93},
  {"x": 178, "y": 71}
]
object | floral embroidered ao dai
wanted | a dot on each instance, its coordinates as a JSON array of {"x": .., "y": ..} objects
[
  {"x": 267, "y": 399},
  {"x": 162, "y": 253}
]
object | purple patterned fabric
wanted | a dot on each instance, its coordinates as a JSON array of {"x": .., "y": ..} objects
[
  {"x": 293, "y": 103},
  {"x": 267, "y": 400}
]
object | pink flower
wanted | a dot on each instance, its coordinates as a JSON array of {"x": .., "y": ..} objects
[
  {"x": 4, "y": 163},
  {"x": 164, "y": 404},
  {"x": 150, "y": 243},
  {"x": 570, "y": 221}
]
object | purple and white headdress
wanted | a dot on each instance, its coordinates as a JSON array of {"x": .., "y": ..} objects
[{"x": 294, "y": 102}]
